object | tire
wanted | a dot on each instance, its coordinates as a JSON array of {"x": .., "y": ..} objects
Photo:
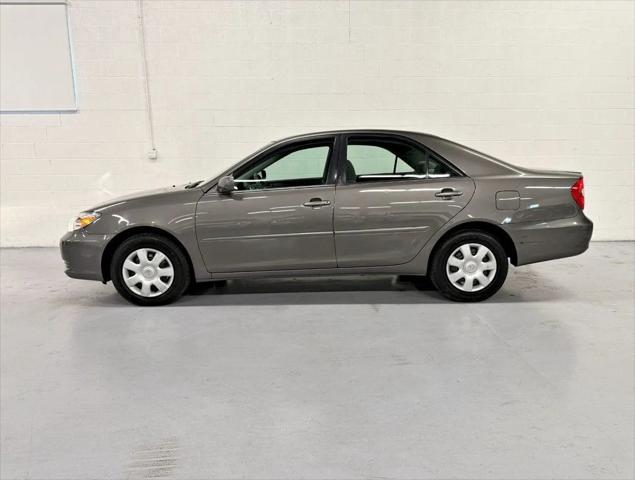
[
  {"x": 473, "y": 279},
  {"x": 142, "y": 253}
]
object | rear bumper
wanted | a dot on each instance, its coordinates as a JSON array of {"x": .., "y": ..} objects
[
  {"x": 540, "y": 241},
  {"x": 82, "y": 254}
]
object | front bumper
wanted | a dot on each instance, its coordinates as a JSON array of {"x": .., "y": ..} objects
[
  {"x": 82, "y": 254},
  {"x": 540, "y": 241}
]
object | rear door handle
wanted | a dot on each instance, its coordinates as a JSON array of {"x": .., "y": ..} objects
[
  {"x": 448, "y": 193},
  {"x": 316, "y": 202}
]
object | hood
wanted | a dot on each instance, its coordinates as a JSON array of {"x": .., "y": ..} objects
[{"x": 174, "y": 189}]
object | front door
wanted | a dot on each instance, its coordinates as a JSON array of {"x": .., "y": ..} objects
[
  {"x": 280, "y": 217},
  {"x": 394, "y": 196}
]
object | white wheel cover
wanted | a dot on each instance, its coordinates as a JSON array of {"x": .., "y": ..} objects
[
  {"x": 471, "y": 267},
  {"x": 148, "y": 272}
]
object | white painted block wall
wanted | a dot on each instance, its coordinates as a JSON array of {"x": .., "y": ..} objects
[{"x": 539, "y": 84}]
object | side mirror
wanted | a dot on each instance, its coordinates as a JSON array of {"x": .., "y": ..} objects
[{"x": 226, "y": 185}]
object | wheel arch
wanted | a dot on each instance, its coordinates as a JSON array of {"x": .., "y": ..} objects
[
  {"x": 122, "y": 236},
  {"x": 499, "y": 233}
]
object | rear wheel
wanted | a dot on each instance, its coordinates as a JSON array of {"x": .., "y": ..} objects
[
  {"x": 149, "y": 269},
  {"x": 469, "y": 267}
]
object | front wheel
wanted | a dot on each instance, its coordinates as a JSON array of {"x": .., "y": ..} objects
[
  {"x": 469, "y": 267},
  {"x": 149, "y": 269}
]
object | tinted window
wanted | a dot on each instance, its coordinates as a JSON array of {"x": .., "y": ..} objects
[
  {"x": 376, "y": 160},
  {"x": 436, "y": 168},
  {"x": 299, "y": 166},
  {"x": 379, "y": 159}
]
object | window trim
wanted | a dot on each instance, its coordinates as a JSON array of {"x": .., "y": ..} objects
[
  {"x": 388, "y": 136},
  {"x": 330, "y": 140}
]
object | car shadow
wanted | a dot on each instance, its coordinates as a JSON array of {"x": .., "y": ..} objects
[
  {"x": 520, "y": 287},
  {"x": 311, "y": 291},
  {"x": 347, "y": 290}
]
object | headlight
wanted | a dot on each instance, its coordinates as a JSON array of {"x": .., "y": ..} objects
[{"x": 83, "y": 220}]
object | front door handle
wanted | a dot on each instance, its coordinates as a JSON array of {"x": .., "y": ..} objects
[
  {"x": 316, "y": 202},
  {"x": 448, "y": 193}
]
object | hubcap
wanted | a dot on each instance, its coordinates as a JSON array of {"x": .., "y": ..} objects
[
  {"x": 471, "y": 267},
  {"x": 148, "y": 272}
]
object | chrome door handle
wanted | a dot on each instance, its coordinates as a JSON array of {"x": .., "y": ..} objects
[
  {"x": 316, "y": 202},
  {"x": 448, "y": 193}
]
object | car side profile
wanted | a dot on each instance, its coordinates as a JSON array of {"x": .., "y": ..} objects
[{"x": 330, "y": 203}]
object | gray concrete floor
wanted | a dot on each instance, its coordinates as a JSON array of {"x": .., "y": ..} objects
[{"x": 326, "y": 378}]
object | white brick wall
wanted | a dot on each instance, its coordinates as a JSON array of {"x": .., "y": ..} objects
[{"x": 540, "y": 84}]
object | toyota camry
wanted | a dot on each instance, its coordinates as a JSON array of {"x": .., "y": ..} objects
[{"x": 336, "y": 203}]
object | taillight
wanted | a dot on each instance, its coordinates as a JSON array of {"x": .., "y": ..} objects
[{"x": 577, "y": 192}]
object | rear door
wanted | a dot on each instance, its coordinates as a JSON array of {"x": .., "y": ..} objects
[{"x": 393, "y": 195}]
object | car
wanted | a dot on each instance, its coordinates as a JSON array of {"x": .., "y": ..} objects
[{"x": 336, "y": 203}]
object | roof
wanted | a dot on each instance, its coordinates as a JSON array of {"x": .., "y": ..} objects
[{"x": 354, "y": 130}]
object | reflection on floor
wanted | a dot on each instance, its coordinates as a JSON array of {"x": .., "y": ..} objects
[{"x": 320, "y": 378}]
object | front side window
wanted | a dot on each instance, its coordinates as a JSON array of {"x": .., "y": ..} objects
[
  {"x": 290, "y": 167},
  {"x": 386, "y": 159}
]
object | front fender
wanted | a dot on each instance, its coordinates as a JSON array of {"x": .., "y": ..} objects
[{"x": 172, "y": 214}]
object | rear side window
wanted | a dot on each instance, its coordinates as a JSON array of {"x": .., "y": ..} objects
[
  {"x": 436, "y": 168},
  {"x": 370, "y": 160},
  {"x": 376, "y": 160}
]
